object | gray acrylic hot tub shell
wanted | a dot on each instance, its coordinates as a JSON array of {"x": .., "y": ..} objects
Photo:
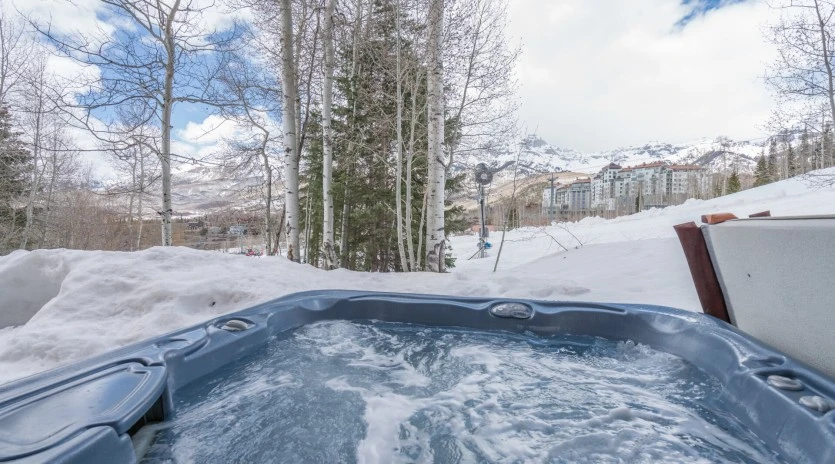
[{"x": 82, "y": 413}]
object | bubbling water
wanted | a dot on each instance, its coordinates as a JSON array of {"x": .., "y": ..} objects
[{"x": 384, "y": 393}]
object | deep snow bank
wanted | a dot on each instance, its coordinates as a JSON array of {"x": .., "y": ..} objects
[{"x": 109, "y": 299}]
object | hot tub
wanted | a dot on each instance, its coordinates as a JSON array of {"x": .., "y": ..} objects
[{"x": 397, "y": 377}]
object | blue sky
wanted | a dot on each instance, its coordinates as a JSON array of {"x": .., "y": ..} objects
[{"x": 702, "y": 7}]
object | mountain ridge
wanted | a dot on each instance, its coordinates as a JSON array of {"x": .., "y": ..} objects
[{"x": 538, "y": 156}]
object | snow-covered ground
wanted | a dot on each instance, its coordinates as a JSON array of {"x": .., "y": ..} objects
[{"x": 58, "y": 306}]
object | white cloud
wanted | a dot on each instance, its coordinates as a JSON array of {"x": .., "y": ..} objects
[
  {"x": 85, "y": 16},
  {"x": 64, "y": 16},
  {"x": 600, "y": 74},
  {"x": 211, "y": 130},
  {"x": 212, "y": 136}
]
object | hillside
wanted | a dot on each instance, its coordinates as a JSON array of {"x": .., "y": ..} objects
[{"x": 199, "y": 189}]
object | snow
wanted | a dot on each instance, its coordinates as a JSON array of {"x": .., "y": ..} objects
[
  {"x": 539, "y": 156},
  {"x": 59, "y": 306}
]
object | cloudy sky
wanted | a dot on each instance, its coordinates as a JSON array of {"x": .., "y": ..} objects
[
  {"x": 596, "y": 74},
  {"x": 599, "y": 74}
]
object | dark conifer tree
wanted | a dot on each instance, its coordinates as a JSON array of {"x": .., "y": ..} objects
[
  {"x": 772, "y": 163},
  {"x": 761, "y": 175},
  {"x": 15, "y": 162},
  {"x": 734, "y": 185},
  {"x": 791, "y": 161}
]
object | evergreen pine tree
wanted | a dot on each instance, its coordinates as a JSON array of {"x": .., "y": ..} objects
[
  {"x": 826, "y": 148},
  {"x": 14, "y": 168},
  {"x": 364, "y": 139},
  {"x": 734, "y": 185},
  {"x": 761, "y": 175},
  {"x": 804, "y": 155},
  {"x": 310, "y": 198},
  {"x": 772, "y": 164},
  {"x": 791, "y": 161}
]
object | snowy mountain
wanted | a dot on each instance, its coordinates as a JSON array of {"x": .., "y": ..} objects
[
  {"x": 538, "y": 156},
  {"x": 197, "y": 189},
  {"x": 200, "y": 188}
]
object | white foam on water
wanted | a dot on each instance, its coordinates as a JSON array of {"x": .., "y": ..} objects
[{"x": 389, "y": 393}]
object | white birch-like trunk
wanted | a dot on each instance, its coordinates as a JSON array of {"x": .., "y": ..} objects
[
  {"x": 288, "y": 116},
  {"x": 328, "y": 253},
  {"x": 268, "y": 220},
  {"x": 141, "y": 194},
  {"x": 823, "y": 152},
  {"x": 167, "y": 106},
  {"x": 36, "y": 175},
  {"x": 307, "y": 228},
  {"x": 398, "y": 190},
  {"x": 420, "y": 228},
  {"x": 53, "y": 178},
  {"x": 435, "y": 235},
  {"x": 826, "y": 58},
  {"x": 409, "y": 238},
  {"x": 343, "y": 234},
  {"x": 131, "y": 201}
]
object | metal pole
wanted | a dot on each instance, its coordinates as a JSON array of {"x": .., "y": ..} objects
[{"x": 482, "y": 233}]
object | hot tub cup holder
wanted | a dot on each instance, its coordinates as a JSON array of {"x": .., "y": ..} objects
[
  {"x": 784, "y": 383},
  {"x": 235, "y": 325},
  {"x": 811, "y": 399},
  {"x": 512, "y": 310},
  {"x": 817, "y": 403}
]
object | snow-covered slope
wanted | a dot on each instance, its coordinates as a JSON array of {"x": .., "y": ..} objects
[
  {"x": 198, "y": 189},
  {"x": 81, "y": 303},
  {"x": 539, "y": 156}
]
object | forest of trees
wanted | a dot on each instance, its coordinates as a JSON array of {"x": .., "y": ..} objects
[
  {"x": 352, "y": 113},
  {"x": 803, "y": 80}
]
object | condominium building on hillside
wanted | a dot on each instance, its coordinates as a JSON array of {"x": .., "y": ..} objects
[{"x": 616, "y": 187}]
